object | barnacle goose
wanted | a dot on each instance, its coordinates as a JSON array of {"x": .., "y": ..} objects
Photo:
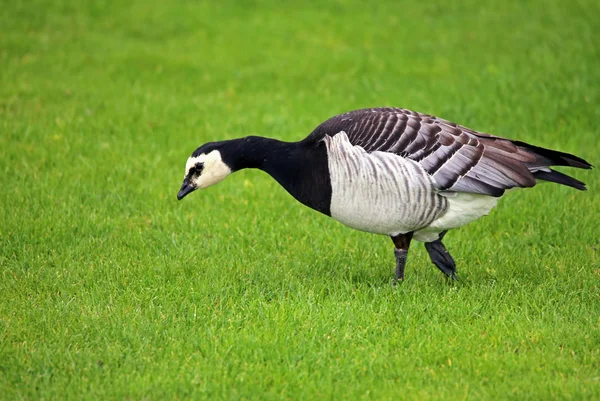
[{"x": 390, "y": 171}]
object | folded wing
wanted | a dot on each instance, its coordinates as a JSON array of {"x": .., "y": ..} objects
[{"x": 458, "y": 158}]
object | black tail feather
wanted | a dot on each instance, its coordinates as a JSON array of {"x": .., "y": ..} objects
[
  {"x": 546, "y": 158},
  {"x": 559, "y": 178}
]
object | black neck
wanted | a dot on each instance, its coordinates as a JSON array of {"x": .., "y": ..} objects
[{"x": 299, "y": 167}]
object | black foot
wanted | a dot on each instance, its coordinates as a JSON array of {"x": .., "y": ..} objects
[
  {"x": 441, "y": 257},
  {"x": 400, "y": 263}
]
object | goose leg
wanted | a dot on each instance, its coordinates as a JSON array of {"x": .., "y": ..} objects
[
  {"x": 402, "y": 243},
  {"x": 441, "y": 257}
]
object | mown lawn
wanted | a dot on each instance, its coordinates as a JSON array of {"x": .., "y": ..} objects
[{"x": 111, "y": 289}]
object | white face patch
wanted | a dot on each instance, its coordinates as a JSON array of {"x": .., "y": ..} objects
[{"x": 214, "y": 171}]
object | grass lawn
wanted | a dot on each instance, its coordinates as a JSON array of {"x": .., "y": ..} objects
[{"x": 111, "y": 289}]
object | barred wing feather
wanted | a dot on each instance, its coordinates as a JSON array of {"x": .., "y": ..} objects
[{"x": 458, "y": 158}]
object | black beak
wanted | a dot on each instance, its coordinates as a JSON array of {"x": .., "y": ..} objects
[{"x": 186, "y": 188}]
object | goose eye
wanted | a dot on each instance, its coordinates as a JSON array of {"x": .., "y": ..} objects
[{"x": 197, "y": 169}]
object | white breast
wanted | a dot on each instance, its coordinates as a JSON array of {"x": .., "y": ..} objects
[{"x": 379, "y": 192}]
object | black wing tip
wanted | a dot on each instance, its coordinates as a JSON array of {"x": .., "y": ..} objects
[
  {"x": 577, "y": 162},
  {"x": 557, "y": 158}
]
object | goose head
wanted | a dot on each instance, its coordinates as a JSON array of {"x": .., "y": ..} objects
[{"x": 205, "y": 167}]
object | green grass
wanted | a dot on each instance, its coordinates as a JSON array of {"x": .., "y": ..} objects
[{"x": 111, "y": 289}]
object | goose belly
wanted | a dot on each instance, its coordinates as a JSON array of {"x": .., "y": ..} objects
[
  {"x": 380, "y": 192},
  {"x": 463, "y": 208}
]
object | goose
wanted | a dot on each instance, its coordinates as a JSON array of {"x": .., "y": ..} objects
[{"x": 390, "y": 171}]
